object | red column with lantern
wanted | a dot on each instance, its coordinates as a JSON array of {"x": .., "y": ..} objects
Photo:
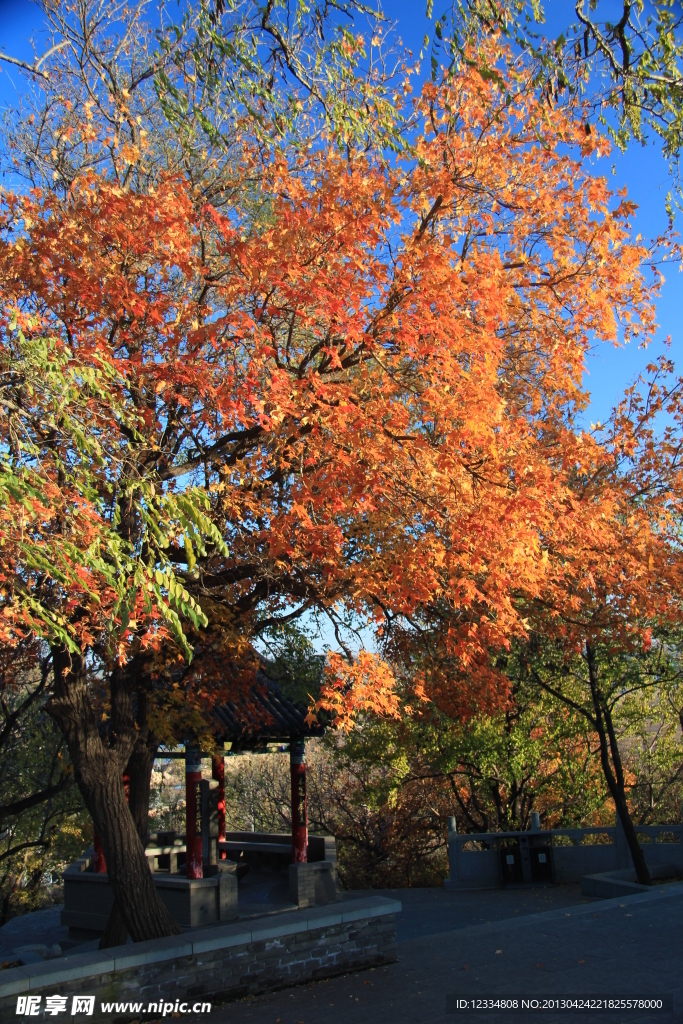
[
  {"x": 193, "y": 813},
  {"x": 297, "y": 764},
  {"x": 218, "y": 773}
]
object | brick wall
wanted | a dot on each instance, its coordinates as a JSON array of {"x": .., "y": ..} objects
[{"x": 220, "y": 963}]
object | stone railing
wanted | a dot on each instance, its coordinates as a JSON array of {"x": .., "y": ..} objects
[{"x": 564, "y": 855}]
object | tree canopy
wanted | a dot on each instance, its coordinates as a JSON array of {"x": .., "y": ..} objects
[
  {"x": 625, "y": 59},
  {"x": 246, "y": 379}
]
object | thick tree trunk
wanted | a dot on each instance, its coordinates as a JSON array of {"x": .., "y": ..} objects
[
  {"x": 115, "y": 932},
  {"x": 98, "y": 771},
  {"x": 139, "y": 770},
  {"x": 143, "y": 913},
  {"x": 614, "y": 778}
]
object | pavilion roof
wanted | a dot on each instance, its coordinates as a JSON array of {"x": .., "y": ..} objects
[{"x": 264, "y": 715}]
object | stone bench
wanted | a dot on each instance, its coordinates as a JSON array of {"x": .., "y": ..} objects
[
  {"x": 171, "y": 856},
  {"x": 276, "y": 847}
]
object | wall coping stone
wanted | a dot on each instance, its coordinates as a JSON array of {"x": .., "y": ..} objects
[
  {"x": 163, "y": 881},
  {"x": 17, "y": 981},
  {"x": 152, "y": 951},
  {"x": 119, "y": 958},
  {"x": 366, "y": 908},
  {"x": 69, "y": 968},
  {"x": 329, "y": 919}
]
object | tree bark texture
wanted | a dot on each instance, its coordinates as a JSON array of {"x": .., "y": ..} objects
[
  {"x": 614, "y": 773},
  {"x": 98, "y": 770},
  {"x": 139, "y": 768}
]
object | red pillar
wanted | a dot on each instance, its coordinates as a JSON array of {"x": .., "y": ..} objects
[
  {"x": 193, "y": 813},
  {"x": 297, "y": 764},
  {"x": 218, "y": 773},
  {"x": 99, "y": 864}
]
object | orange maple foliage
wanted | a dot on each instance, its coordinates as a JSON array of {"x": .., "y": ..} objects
[
  {"x": 375, "y": 382},
  {"x": 370, "y": 382},
  {"x": 614, "y": 557},
  {"x": 614, "y": 567}
]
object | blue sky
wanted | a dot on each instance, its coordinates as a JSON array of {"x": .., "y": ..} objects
[{"x": 641, "y": 169}]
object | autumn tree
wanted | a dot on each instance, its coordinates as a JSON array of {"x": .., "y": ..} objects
[
  {"x": 626, "y": 59},
  {"x": 614, "y": 585},
  {"x": 359, "y": 402},
  {"x": 600, "y": 619},
  {"x": 623, "y": 697},
  {"x": 127, "y": 90},
  {"x": 110, "y": 96}
]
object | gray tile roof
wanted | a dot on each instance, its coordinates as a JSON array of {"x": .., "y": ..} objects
[{"x": 264, "y": 715}]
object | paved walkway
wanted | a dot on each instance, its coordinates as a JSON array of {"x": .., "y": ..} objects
[
  {"x": 536, "y": 941},
  {"x": 432, "y": 911},
  {"x": 629, "y": 947},
  {"x": 40, "y": 930}
]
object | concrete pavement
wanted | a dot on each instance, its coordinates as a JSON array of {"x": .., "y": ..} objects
[
  {"x": 630, "y": 947},
  {"x": 432, "y": 911}
]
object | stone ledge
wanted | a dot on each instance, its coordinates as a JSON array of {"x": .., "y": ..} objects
[
  {"x": 68, "y": 968},
  {"x": 15, "y": 981},
  {"x": 154, "y": 951},
  {"x": 80, "y": 966},
  {"x": 611, "y": 884},
  {"x": 375, "y": 906}
]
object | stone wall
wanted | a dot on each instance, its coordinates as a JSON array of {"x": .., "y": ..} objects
[
  {"x": 192, "y": 902},
  {"x": 216, "y": 964},
  {"x": 662, "y": 846}
]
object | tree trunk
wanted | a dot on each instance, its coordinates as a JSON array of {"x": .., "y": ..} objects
[
  {"x": 144, "y": 915},
  {"x": 139, "y": 770},
  {"x": 615, "y": 779},
  {"x": 115, "y": 932},
  {"x": 98, "y": 771}
]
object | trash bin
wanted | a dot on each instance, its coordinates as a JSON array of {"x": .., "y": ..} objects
[
  {"x": 510, "y": 862},
  {"x": 541, "y": 864}
]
